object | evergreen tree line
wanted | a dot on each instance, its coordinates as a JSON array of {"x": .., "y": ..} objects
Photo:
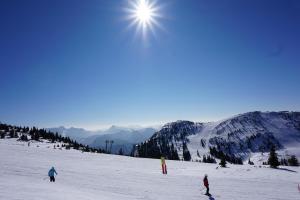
[
  {"x": 27, "y": 134},
  {"x": 162, "y": 142},
  {"x": 208, "y": 159},
  {"x": 152, "y": 149},
  {"x": 156, "y": 148},
  {"x": 223, "y": 156},
  {"x": 292, "y": 161},
  {"x": 258, "y": 142},
  {"x": 274, "y": 162}
]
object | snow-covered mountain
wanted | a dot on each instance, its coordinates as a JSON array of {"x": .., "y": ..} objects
[
  {"x": 239, "y": 136},
  {"x": 123, "y": 137},
  {"x": 77, "y": 134}
]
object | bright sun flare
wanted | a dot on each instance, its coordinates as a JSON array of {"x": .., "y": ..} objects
[
  {"x": 144, "y": 12},
  {"x": 144, "y": 15}
]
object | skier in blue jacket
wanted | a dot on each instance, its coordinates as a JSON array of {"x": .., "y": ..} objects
[{"x": 51, "y": 174}]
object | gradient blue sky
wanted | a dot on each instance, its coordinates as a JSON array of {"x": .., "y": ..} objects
[{"x": 76, "y": 63}]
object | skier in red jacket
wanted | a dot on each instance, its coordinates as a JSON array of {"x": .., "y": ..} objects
[{"x": 205, "y": 182}]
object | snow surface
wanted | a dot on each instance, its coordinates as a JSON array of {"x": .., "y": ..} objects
[{"x": 89, "y": 176}]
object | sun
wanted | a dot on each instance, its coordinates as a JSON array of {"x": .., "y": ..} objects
[
  {"x": 143, "y": 15},
  {"x": 144, "y": 12}
]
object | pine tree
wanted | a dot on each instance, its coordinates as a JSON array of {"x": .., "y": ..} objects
[
  {"x": 273, "y": 159},
  {"x": 174, "y": 154},
  {"x": 210, "y": 159},
  {"x": 2, "y": 135},
  {"x": 121, "y": 152},
  {"x": 250, "y": 162},
  {"x": 283, "y": 162},
  {"x": 293, "y": 161},
  {"x": 23, "y": 138},
  {"x": 11, "y": 134},
  {"x": 186, "y": 153},
  {"x": 223, "y": 162}
]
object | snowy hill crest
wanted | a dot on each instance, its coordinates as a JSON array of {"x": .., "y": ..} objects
[{"x": 238, "y": 136}]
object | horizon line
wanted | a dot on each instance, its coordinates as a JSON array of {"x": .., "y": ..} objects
[{"x": 94, "y": 127}]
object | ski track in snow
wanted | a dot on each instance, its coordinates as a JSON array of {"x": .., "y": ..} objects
[{"x": 88, "y": 176}]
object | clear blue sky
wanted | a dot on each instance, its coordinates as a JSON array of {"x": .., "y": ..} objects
[{"x": 76, "y": 63}]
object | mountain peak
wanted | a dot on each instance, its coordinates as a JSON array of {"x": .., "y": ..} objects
[{"x": 238, "y": 136}]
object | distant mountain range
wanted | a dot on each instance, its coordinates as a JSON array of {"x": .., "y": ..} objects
[
  {"x": 74, "y": 133},
  {"x": 248, "y": 135},
  {"x": 239, "y": 136},
  {"x": 123, "y": 137}
]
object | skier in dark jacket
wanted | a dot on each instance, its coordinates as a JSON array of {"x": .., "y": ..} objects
[
  {"x": 206, "y": 184},
  {"x": 51, "y": 174}
]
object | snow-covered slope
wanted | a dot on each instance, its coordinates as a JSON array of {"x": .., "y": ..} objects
[
  {"x": 241, "y": 136},
  {"x": 88, "y": 176},
  {"x": 250, "y": 133}
]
